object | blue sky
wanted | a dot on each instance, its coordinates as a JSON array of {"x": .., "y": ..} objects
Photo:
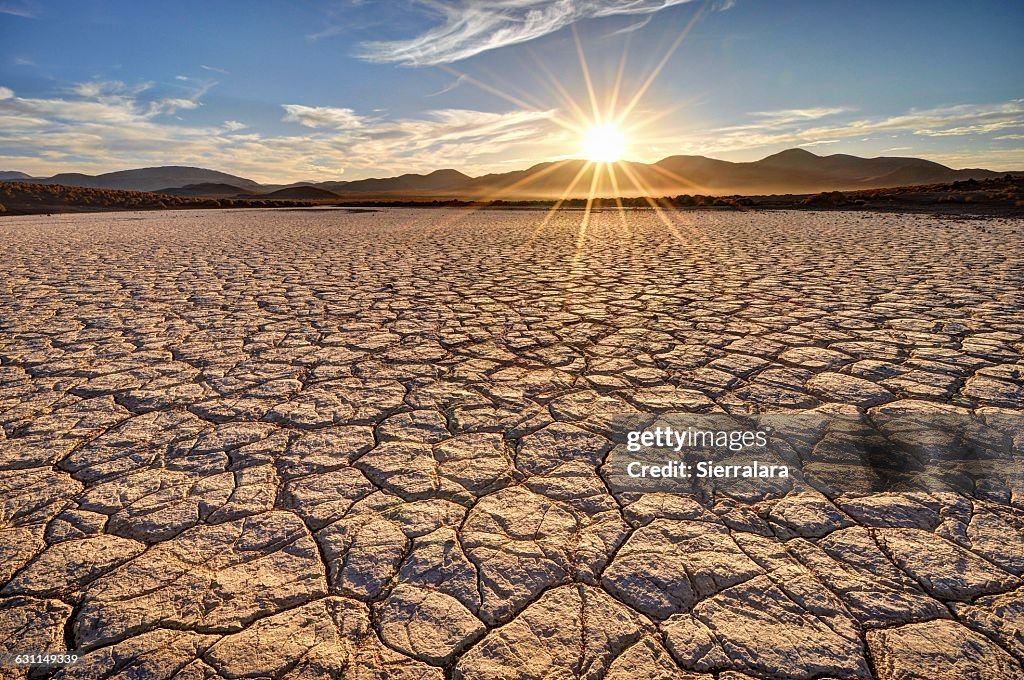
[{"x": 287, "y": 91}]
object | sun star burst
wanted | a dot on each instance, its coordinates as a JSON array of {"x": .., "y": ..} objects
[{"x": 604, "y": 143}]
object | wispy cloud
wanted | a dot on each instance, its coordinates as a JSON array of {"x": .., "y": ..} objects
[
  {"x": 762, "y": 121},
  {"x": 795, "y": 115},
  {"x": 214, "y": 69},
  {"x": 170, "y": 105},
  {"x": 18, "y": 9},
  {"x": 322, "y": 117},
  {"x": 450, "y": 86},
  {"x": 991, "y": 159},
  {"x": 117, "y": 98},
  {"x": 108, "y": 88},
  {"x": 103, "y": 132},
  {"x": 807, "y": 126},
  {"x": 633, "y": 27},
  {"x": 470, "y": 27},
  {"x": 977, "y": 129}
]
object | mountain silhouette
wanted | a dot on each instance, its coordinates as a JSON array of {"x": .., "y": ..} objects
[
  {"x": 794, "y": 171},
  {"x": 148, "y": 179},
  {"x": 206, "y": 190},
  {"x": 439, "y": 180},
  {"x": 300, "y": 193}
]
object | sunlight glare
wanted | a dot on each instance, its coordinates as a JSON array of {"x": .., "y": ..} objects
[{"x": 604, "y": 143}]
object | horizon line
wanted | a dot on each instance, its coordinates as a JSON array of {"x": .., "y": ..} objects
[{"x": 473, "y": 177}]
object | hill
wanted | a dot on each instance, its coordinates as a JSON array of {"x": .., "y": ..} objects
[
  {"x": 206, "y": 190},
  {"x": 13, "y": 176},
  {"x": 304, "y": 193},
  {"x": 409, "y": 184},
  {"x": 25, "y": 198},
  {"x": 147, "y": 179}
]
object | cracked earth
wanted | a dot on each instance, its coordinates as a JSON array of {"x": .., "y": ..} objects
[{"x": 306, "y": 444}]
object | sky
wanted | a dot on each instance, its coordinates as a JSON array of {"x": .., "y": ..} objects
[{"x": 294, "y": 91}]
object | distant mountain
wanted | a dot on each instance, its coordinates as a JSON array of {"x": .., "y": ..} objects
[
  {"x": 13, "y": 176},
  {"x": 437, "y": 181},
  {"x": 148, "y": 179},
  {"x": 299, "y": 193},
  {"x": 794, "y": 171},
  {"x": 206, "y": 190}
]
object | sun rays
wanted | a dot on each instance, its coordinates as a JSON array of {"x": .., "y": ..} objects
[
  {"x": 605, "y": 134},
  {"x": 606, "y": 125}
]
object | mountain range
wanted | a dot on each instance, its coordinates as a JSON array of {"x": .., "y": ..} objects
[
  {"x": 793, "y": 171},
  {"x": 142, "y": 179}
]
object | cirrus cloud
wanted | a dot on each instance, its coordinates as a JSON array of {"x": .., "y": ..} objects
[
  {"x": 322, "y": 116},
  {"x": 807, "y": 126},
  {"x": 471, "y": 27}
]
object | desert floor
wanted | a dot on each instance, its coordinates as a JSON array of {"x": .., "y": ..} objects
[{"x": 308, "y": 443}]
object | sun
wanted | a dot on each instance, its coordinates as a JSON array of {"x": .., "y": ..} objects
[{"x": 604, "y": 143}]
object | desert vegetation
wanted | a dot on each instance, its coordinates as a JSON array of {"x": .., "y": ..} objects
[{"x": 25, "y": 198}]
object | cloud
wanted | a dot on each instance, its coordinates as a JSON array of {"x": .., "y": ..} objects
[
  {"x": 473, "y": 26},
  {"x": 99, "y": 127},
  {"x": 214, "y": 69},
  {"x": 17, "y": 9},
  {"x": 782, "y": 119},
  {"x": 632, "y": 27},
  {"x": 450, "y": 86},
  {"x": 321, "y": 116},
  {"x": 108, "y": 88},
  {"x": 978, "y": 129},
  {"x": 172, "y": 105},
  {"x": 821, "y": 142},
  {"x": 793, "y": 115},
  {"x": 991, "y": 159},
  {"x": 803, "y": 126},
  {"x": 95, "y": 134},
  {"x": 112, "y": 111},
  {"x": 104, "y": 100}
]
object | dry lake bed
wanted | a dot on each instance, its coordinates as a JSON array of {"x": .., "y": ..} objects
[{"x": 312, "y": 443}]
